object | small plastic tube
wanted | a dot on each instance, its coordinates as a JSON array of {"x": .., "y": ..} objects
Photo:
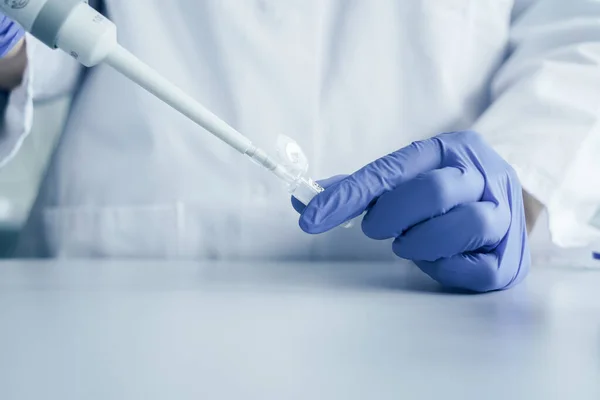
[{"x": 293, "y": 168}]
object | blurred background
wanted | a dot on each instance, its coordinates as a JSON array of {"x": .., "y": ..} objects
[{"x": 20, "y": 178}]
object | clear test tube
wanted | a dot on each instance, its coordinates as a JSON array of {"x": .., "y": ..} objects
[{"x": 293, "y": 169}]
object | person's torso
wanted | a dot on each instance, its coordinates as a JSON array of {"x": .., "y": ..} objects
[{"x": 349, "y": 80}]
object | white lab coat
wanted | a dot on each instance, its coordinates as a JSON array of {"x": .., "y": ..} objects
[{"x": 350, "y": 80}]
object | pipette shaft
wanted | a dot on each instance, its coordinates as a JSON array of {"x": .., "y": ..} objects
[
  {"x": 89, "y": 37},
  {"x": 127, "y": 64}
]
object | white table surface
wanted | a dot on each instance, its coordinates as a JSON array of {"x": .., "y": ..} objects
[{"x": 150, "y": 330}]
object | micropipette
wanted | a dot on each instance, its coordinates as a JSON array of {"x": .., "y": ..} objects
[{"x": 88, "y": 36}]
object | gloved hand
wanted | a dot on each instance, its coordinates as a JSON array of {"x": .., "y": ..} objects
[
  {"x": 10, "y": 34},
  {"x": 451, "y": 203}
]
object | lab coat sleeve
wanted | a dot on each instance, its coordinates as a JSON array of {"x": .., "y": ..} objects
[
  {"x": 544, "y": 117},
  {"x": 49, "y": 74}
]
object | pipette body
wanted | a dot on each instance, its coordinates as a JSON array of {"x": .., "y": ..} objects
[{"x": 81, "y": 31}]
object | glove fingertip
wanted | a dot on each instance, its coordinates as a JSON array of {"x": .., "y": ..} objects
[
  {"x": 309, "y": 227},
  {"x": 401, "y": 249},
  {"x": 298, "y": 205},
  {"x": 474, "y": 272}
]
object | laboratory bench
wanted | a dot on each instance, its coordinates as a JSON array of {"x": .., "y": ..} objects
[{"x": 184, "y": 330}]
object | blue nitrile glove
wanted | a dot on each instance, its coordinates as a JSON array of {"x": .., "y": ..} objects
[
  {"x": 10, "y": 34},
  {"x": 451, "y": 203}
]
